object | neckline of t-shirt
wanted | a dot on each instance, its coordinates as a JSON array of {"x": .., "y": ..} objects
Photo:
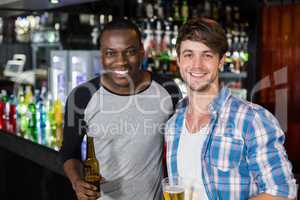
[
  {"x": 139, "y": 92},
  {"x": 203, "y": 131}
]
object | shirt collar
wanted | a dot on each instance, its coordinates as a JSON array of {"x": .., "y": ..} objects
[
  {"x": 217, "y": 103},
  {"x": 220, "y": 100}
]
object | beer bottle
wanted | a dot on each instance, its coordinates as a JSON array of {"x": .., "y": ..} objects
[{"x": 91, "y": 165}]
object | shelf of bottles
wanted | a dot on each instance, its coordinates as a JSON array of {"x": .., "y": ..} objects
[
  {"x": 33, "y": 116},
  {"x": 160, "y": 21},
  {"x": 37, "y": 29}
]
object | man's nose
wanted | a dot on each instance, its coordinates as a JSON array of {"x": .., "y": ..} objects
[
  {"x": 197, "y": 61},
  {"x": 122, "y": 59}
]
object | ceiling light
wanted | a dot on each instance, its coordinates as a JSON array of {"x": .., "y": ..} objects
[{"x": 54, "y": 1}]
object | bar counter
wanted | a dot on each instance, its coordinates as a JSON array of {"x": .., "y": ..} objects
[{"x": 31, "y": 171}]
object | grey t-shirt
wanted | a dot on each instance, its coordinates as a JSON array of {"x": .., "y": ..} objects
[{"x": 128, "y": 140}]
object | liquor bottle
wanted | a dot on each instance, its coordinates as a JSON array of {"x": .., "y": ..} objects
[
  {"x": 184, "y": 11},
  {"x": 228, "y": 15},
  {"x": 58, "y": 114},
  {"x": 165, "y": 53},
  {"x": 158, "y": 36},
  {"x": 167, "y": 8},
  {"x": 207, "y": 8},
  {"x": 12, "y": 116},
  {"x": 2, "y": 107},
  {"x": 41, "y": 118},
  {"x": 140, "y": 9},
  {"x": 28, "y": 94},
  {"x": 32, "y": 129},
  {"x": 148, "y": 46},
  {"x": 50, "y": 122},
  {"x": 176, "y": 14},
  {"x": 149, "y": 10},
  {"x": 21, "y": 114},
  {"x": 91, "y": 168},
  {"x": 244, "y": 54},
  {"x": 102, "y": 21},
  {"x": 228, "y": 66},
  {"x": 5, "y": 115},
  {"x": 159, "y": 10},
  {"x": 215, "y": 10}
]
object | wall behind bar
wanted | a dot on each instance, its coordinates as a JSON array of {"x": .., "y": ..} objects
[{"x": 281, "y": 51}]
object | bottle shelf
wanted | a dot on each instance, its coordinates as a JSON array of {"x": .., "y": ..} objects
[
  {"x": 222, "y": 75},
  {"x": 231, "y": 75}
]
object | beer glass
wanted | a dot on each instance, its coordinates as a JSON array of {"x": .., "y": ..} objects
[{"x": 173, "y": 188}]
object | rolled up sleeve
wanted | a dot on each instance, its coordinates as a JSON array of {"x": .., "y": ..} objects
[{"x": 267, "y": 158}]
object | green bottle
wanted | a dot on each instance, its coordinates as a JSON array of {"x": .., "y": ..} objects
[
  {"x": 184, "y": 11},
  {"x": 21, "y": 114},
  {"x": 50, "y": 123},
  {"x": 32, "y": 122},
  {"x": 176, "y": 14}
]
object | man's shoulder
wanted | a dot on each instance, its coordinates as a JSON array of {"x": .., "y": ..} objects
[
  {"x": 253, "y": 112},
  {"x": 82, "y": 94},
  {"x": 87, "y": 88},
  {"x": 170, "y": 86},
  {"x": 179, "y": 110},
  {"x": 237, "y": 102}
]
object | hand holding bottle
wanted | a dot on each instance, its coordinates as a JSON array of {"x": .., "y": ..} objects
[{"x": 85, "y": 190}]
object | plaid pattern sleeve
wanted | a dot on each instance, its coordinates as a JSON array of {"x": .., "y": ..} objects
[
  {"x": 243, "y": 155},
  {"x": 267, "y": 158}
]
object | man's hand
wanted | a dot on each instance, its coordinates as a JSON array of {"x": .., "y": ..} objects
[
  {"x": 85, "y": 191},
  {"x": 267, "y": 197}
]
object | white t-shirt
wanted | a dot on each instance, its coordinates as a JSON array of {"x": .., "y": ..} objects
[{"x": 189, "y": 162}]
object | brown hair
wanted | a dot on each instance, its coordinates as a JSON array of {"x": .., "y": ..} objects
[{"x": 206, "y": 31}]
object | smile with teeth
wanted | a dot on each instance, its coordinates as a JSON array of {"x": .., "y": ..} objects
[
  {"x": 198, "y": 74},
  {"x": 121, "y": 72}
]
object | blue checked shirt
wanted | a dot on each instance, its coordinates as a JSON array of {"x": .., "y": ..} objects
[{"x": 243, "y": 154}]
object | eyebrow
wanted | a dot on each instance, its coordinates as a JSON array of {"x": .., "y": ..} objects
[
  {"x": 190, "y": 51},
  {"x": 132, "y": 47},
  {"x": 187, "y": 51},
  {"x": 109, "y": 49},
  {"x": 112, "y": 49}
]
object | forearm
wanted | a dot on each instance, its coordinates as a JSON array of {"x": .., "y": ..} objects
[
  {"x": 267, "y": 197},
  {"x": 73, "y": 170}
]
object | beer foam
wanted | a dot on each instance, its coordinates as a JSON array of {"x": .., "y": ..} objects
[{"x": 174, "y": 189}]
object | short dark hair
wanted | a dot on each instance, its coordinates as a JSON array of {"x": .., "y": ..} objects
[
  {"x": 121, "y": 24},
  {"x": 206, "y": 31}
]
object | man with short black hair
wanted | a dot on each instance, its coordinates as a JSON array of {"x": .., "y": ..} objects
[{"x": 124, "y": 110}]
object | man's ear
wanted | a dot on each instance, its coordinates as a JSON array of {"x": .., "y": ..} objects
[
  {"x": 222, "y": 62},
  {"x": 178, "y": 60},
  {"x": 142, "y": 50}
]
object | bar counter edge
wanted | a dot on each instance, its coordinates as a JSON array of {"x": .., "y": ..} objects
[{"x": 42, "y": 155}]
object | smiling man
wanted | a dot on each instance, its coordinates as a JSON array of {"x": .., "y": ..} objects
[
  {"x": 123, "y": 110},
  {"x": 223, "y": 147}
]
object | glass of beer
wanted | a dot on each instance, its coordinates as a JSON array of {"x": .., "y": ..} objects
[{"x": 173, "y": 188}]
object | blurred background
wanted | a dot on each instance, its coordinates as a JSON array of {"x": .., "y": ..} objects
[{"x": 47, "y": 47}]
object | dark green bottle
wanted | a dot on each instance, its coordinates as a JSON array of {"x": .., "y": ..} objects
[
  {"x": 32, "y": 123},
  {"x": 91, "y": 167}
]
